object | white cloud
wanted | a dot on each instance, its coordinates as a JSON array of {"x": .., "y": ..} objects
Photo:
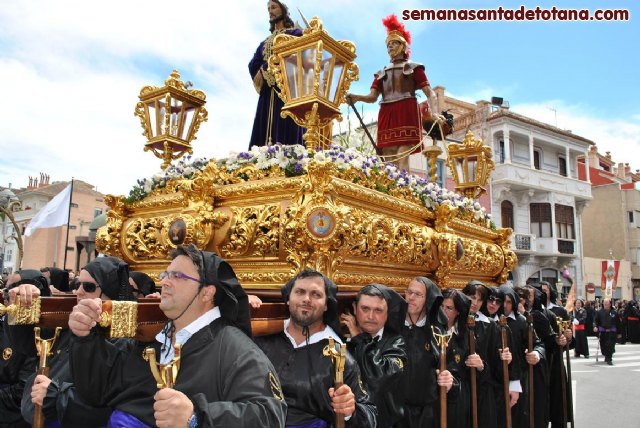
[{"x": 619, "y": 135}]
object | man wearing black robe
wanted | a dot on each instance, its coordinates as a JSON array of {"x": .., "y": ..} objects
[
  {"x": 306, "y": 374},
  {"x": 378, "y": 347},
  {"x": 16, "y": 365},
  {"x": 224, "y": 380},
  {"x": 105, "y": 278},
  {"x": 421, "y": 380},
  {"x": 522, "y": 356},
  {"x": 633, "y": 320},
  {"x": 607, "y": 325},
  {"x": 556, "y": 358}
]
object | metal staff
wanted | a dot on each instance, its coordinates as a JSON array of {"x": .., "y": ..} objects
[
  {"x": 570, "y": 391},
  {"x": 563, "y": 380},
  {"x": 530, "y": 334},
  {"x": 471, "y": 325},
  {"x": 366, "y": 130},
  {"x": 442, "y": 340},
  {"x": 505, "y": 372},
  {"x": 338, "y": 358},
  {"x": 45, "y": 350}
]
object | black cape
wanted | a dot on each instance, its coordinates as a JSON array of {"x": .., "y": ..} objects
[
  {"x": 229, "y": 380},
  {"x": 15, "y": 368},
  {"x": 306, "y": 376}
]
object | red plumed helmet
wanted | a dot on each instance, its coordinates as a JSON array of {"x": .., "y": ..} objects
[{"x": 397, "y": 31}]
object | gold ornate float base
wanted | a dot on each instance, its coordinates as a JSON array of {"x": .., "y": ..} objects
[{"x": 269, "y": 226}]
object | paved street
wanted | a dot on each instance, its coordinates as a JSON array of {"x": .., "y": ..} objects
[{"x": 606, "y": 396}]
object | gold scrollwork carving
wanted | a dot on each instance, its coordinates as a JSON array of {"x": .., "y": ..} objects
[{"x": 254, "y": 231}]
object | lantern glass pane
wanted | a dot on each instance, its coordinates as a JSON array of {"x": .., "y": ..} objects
[
  {"x": 325, "y": 73},
  {"x": 291, "y": 71},
  {"x": 472, "y": 164},
  {"x": 460, "y": 170},
  {"x": 335, "y": 80},
  {"x": 176, "y": 113},
  {"x": 308, "y": 70},
  {"x": 151, "y": 119},
  {"x": 189, "y": 114}
]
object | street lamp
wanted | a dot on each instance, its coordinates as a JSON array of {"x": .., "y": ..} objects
[
  {"x": 170, "y": 117},
  {"x": 9, "y": 203},
  {"x": 470, "y": 164},
  {"x": 313, "y": 73}
]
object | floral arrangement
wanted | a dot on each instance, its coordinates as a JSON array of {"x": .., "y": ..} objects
[{"x": 293, "y": 160}]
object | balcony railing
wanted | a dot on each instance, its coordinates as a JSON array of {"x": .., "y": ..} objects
[
  {"x": 566, "y": 247},
  {"x": 523, "y": 242}
]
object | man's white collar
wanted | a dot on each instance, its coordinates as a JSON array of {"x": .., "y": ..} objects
[{"x": 314, "y": 338}]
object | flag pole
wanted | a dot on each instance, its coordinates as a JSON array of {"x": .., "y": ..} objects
[{"x": 66, "y": 242}]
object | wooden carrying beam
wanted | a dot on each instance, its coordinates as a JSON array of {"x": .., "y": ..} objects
[{"x": 142, "y": 319}]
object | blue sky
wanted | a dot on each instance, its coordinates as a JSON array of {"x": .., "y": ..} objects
[{"x": 72, "y": 71}]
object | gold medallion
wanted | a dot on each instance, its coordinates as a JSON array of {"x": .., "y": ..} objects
[
  {"x": 458, "y": 358},
  {"x": 6, "y": 353}
]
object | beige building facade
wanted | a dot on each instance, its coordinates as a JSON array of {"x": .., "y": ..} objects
[
  {"x": 46, "y": 247},
  {"x": 612, "y": 223}
]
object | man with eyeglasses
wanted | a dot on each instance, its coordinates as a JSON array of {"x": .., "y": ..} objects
[
  {"x": 421, "y": 377},
  {"x": 224, "y": 380},
  {"x": 105, "y": 278}
]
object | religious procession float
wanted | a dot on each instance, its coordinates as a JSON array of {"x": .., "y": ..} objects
[{"x": 276, "y": 209}]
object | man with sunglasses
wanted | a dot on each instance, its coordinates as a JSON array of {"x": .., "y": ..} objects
[
  {"x": 105, "y": 278},
  {"x": 224, "y": 380}
]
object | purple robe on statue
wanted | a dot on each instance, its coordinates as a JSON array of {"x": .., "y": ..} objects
[{"x": 283, "y": 131}]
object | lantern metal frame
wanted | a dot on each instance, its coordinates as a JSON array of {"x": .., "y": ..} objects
[
  {"x": 313, "y": 73},
  {"x": 170, "y": 130},
  {"x": 470, "y": 164}
]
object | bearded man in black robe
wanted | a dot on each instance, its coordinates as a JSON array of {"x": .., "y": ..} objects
[
  {"x": 305, "y": 372},
  {"x": 224, "y": 379}
]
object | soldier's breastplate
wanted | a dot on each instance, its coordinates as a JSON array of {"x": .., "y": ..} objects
[{"x": 397, "y": 84}]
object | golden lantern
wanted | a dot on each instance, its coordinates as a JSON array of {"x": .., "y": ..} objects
[
  {"x": 470, "y": 164},
  {"x": 313, "y": 73},
  {"x": 170, "y": 117}
]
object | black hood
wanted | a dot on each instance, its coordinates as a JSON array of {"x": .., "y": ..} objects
[
  {"x": 59, "y": 279},
  {"x": 397, "y": 308},
  {"x": 144, "y": 282},
  {"x": 540, "y": 298},
  {"x": 433, "y": 303},
  {"x": 230, "y": 296},
  {"x": 112, "y": 275},
  {"x": 552, "y": 291},
  {"x": 34, "y": 277},
  {"x": 496, "y": 293},
  {"x": 509, "y": 291},
  {"x": 331, "y": 316}
]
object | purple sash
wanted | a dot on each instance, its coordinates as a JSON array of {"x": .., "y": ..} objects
[
  {"x": 607, "y": 330},
  {"x": 52, "y": 424},
  {"x": 120, "y": 419},
  {"x": 316, "y": 423}
]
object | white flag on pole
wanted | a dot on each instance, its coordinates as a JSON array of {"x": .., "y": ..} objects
[{"x": 54, "y": 214}]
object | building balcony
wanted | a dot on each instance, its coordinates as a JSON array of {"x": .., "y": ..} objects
[
  {"x": 523, "y": 177},
  {"x": 526, "y": 245}
]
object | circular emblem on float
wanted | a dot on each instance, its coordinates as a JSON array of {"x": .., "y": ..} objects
[
  {"x": 177, "y": 231},
  {"x": 320, "y": 222},
  {"x": 6, "y": 353}
]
